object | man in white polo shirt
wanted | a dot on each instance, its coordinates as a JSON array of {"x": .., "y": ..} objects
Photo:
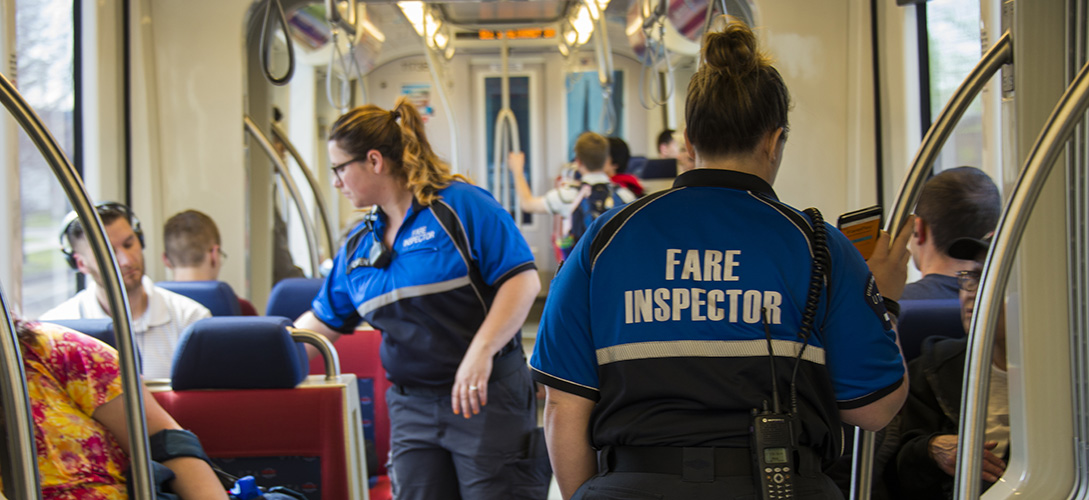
[{"x": 159, "y": 316}]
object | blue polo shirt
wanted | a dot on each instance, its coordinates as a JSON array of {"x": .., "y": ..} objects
[
  {"x": 663, "y": 329},
  {"x": 424, "y": 302}
]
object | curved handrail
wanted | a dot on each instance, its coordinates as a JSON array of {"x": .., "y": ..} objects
[
  {"x": 264, "y": 48},
  {"x": 996, "y": 271},
  {"x": 20, "y": 464},
  {"x": 281, "y": 135},
  {"x": 292, "y": 189},
  {"x": 141, "y": 486},
  {"x": 323, "y": 345},
  {"x": 1000, "y": 54}
]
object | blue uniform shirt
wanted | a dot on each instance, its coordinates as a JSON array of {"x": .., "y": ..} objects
[
  {"x": 664, "y": 331},
  {"x": 424, "y": 302}
]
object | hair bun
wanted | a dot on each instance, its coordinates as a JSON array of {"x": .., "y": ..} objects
[{"x": 732, "y": 50}]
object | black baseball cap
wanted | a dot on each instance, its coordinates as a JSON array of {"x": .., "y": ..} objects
[{"x": 969, "y": 248}]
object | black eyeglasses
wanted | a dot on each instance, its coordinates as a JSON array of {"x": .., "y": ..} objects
[
  {"x": 338, "y": 168},
  {"x": 968, "y": 280}
]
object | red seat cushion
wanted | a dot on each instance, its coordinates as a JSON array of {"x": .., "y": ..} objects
[{"x": 268, "y": 422}]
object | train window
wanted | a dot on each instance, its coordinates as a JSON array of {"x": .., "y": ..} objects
[
  {"x": 954, "y": 42},
  {"x": 45, "y": 48},
  {"x": 585, "y": 110}
]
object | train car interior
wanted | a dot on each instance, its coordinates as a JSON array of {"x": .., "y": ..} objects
[{"x": 226, "y": 106}]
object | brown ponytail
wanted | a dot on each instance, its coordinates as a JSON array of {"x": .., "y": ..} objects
[
  {"x": 404, "y": 146},
  {"x": 736, "y": 96}
]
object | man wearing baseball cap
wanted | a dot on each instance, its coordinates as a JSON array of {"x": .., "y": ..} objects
[{"x": 925, "y": 464}]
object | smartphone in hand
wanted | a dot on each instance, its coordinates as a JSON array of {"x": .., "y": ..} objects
[{"x": 862, "y": 228}]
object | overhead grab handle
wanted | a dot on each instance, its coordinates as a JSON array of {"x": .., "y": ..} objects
[
  {"x": 140, "y": 457},
  {"x": 1000, "y": 54},
  {"x": 657, "y": 54},
  {"x": 281, "y": 135},
  {"x": 335, "y": 20},
  {"x": 266, "y": 63},
  {"x": 506, "y": 140},
  {"x": 604, "y": 73},
  {"x": 292, "y": 190},
  {"x": 996, "y": 272},
  {"x": 340, "y": 100},
  {"x": 17, "y": 461}
]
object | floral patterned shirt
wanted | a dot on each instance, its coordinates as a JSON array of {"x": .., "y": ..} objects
[{"x": 69, "y": 376}]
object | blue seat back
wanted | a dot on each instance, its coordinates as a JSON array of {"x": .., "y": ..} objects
[
  {"x": 245, "y": 352},
  {"x": 217, "y": 296},
  {"x": 920, "y": 319},
  {"x": 101, "y": 329},
  {"x": 291, "y": 297},
  {"x": 660, "y": 168}
]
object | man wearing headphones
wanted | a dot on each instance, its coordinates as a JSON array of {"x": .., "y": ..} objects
[{"x": 159, "y": 316}]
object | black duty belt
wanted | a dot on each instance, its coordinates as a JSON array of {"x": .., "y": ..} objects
[{"x": 693, "y": 464}]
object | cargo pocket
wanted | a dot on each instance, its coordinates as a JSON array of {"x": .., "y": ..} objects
[{"x": 531, "y": 474}]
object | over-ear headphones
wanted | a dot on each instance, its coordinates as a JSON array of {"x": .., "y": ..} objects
[{"x": 105, "y": 210}]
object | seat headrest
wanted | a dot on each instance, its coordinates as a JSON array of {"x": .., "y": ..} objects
[
  {"x": 660, "y": 168},
  {"x": 101, "y": 329},
  {"x": 217, "y": 296},
  {"x": 245, "y": 352},
  {"x": 920, "y": 319},
  {"x": 291, "y": 297}
]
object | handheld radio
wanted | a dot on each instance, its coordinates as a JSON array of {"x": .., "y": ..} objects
[{"x": 773, "y": 446}]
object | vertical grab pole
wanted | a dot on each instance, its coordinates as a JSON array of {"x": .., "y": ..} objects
[
  {"x": 504, "y": 96},
  {"x": 141, "y": 486},
  {"x": 18, "y": 463},
  {"x": 1000, "y": 54},
  {"x": 996, "y": 271}
]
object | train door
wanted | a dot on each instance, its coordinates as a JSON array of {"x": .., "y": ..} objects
[{"x": 526, "y": 97}]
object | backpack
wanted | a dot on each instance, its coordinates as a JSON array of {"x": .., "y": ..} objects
[{"x": 595, "y": 199}]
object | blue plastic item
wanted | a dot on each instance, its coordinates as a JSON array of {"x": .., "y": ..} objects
[{"x": 245, "y": 489}]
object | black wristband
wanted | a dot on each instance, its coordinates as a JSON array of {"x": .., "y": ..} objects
[
  {"x": 173, "y": 443},
  {"x": 892, "y": 306}
]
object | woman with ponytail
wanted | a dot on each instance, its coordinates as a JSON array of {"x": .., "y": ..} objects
[
  {"x": 440, "y": 268},
  {"x": 657, "y": 392}
]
